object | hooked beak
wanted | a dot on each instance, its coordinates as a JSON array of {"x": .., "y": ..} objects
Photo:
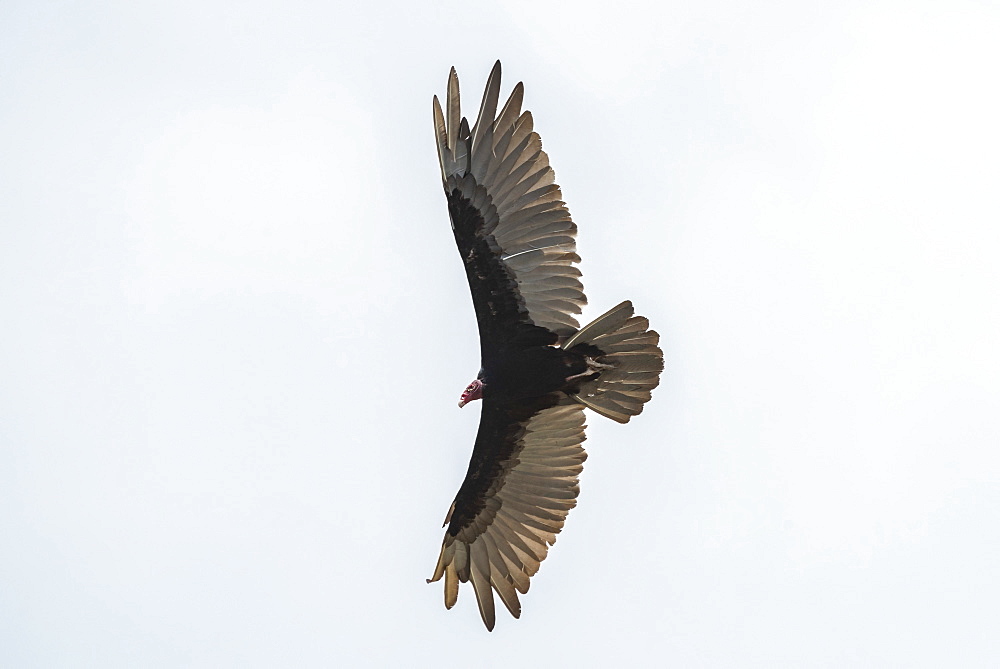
[{"x": 473, "y": 391}]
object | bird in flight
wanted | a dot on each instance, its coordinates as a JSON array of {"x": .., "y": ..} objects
[{"x": 540, "y": 369}]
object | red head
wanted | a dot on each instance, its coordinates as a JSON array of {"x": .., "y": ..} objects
[{"x": 473, "y": 392}]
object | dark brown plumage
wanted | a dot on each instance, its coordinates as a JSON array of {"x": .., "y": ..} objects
[{"x": 539, "y": 369}]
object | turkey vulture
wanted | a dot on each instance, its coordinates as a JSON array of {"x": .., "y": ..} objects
[{"x": 539, "y": 368}]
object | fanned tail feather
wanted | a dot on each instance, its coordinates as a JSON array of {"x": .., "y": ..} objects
[{"x": 630, "y": 347}]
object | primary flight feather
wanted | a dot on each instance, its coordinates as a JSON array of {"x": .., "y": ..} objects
[{"x": 539, "y": 368}]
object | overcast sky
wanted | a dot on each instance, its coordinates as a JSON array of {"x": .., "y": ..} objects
[{"x": 235, "y": 329}]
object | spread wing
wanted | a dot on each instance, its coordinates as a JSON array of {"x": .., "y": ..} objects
[
  {"x": 522, "y": 482},
  {"x": 512, "y": 228}
]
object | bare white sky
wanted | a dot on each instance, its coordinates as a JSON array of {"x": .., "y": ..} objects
[{"x": 235, "y": 330}]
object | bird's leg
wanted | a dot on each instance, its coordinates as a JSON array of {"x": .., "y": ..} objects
[{"x": 593, "y": 367}]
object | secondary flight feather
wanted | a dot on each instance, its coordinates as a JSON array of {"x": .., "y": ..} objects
[{"x": 540, "y": 370}]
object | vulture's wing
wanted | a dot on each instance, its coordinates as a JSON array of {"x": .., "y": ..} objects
[
  {"x": 513, "y": 230},
  {"x": 521, "y": 484}
]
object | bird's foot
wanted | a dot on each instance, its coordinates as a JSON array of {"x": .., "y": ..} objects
[
  {"x": 597, "y": 366},
  {"x": 593, "y": 367}
]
